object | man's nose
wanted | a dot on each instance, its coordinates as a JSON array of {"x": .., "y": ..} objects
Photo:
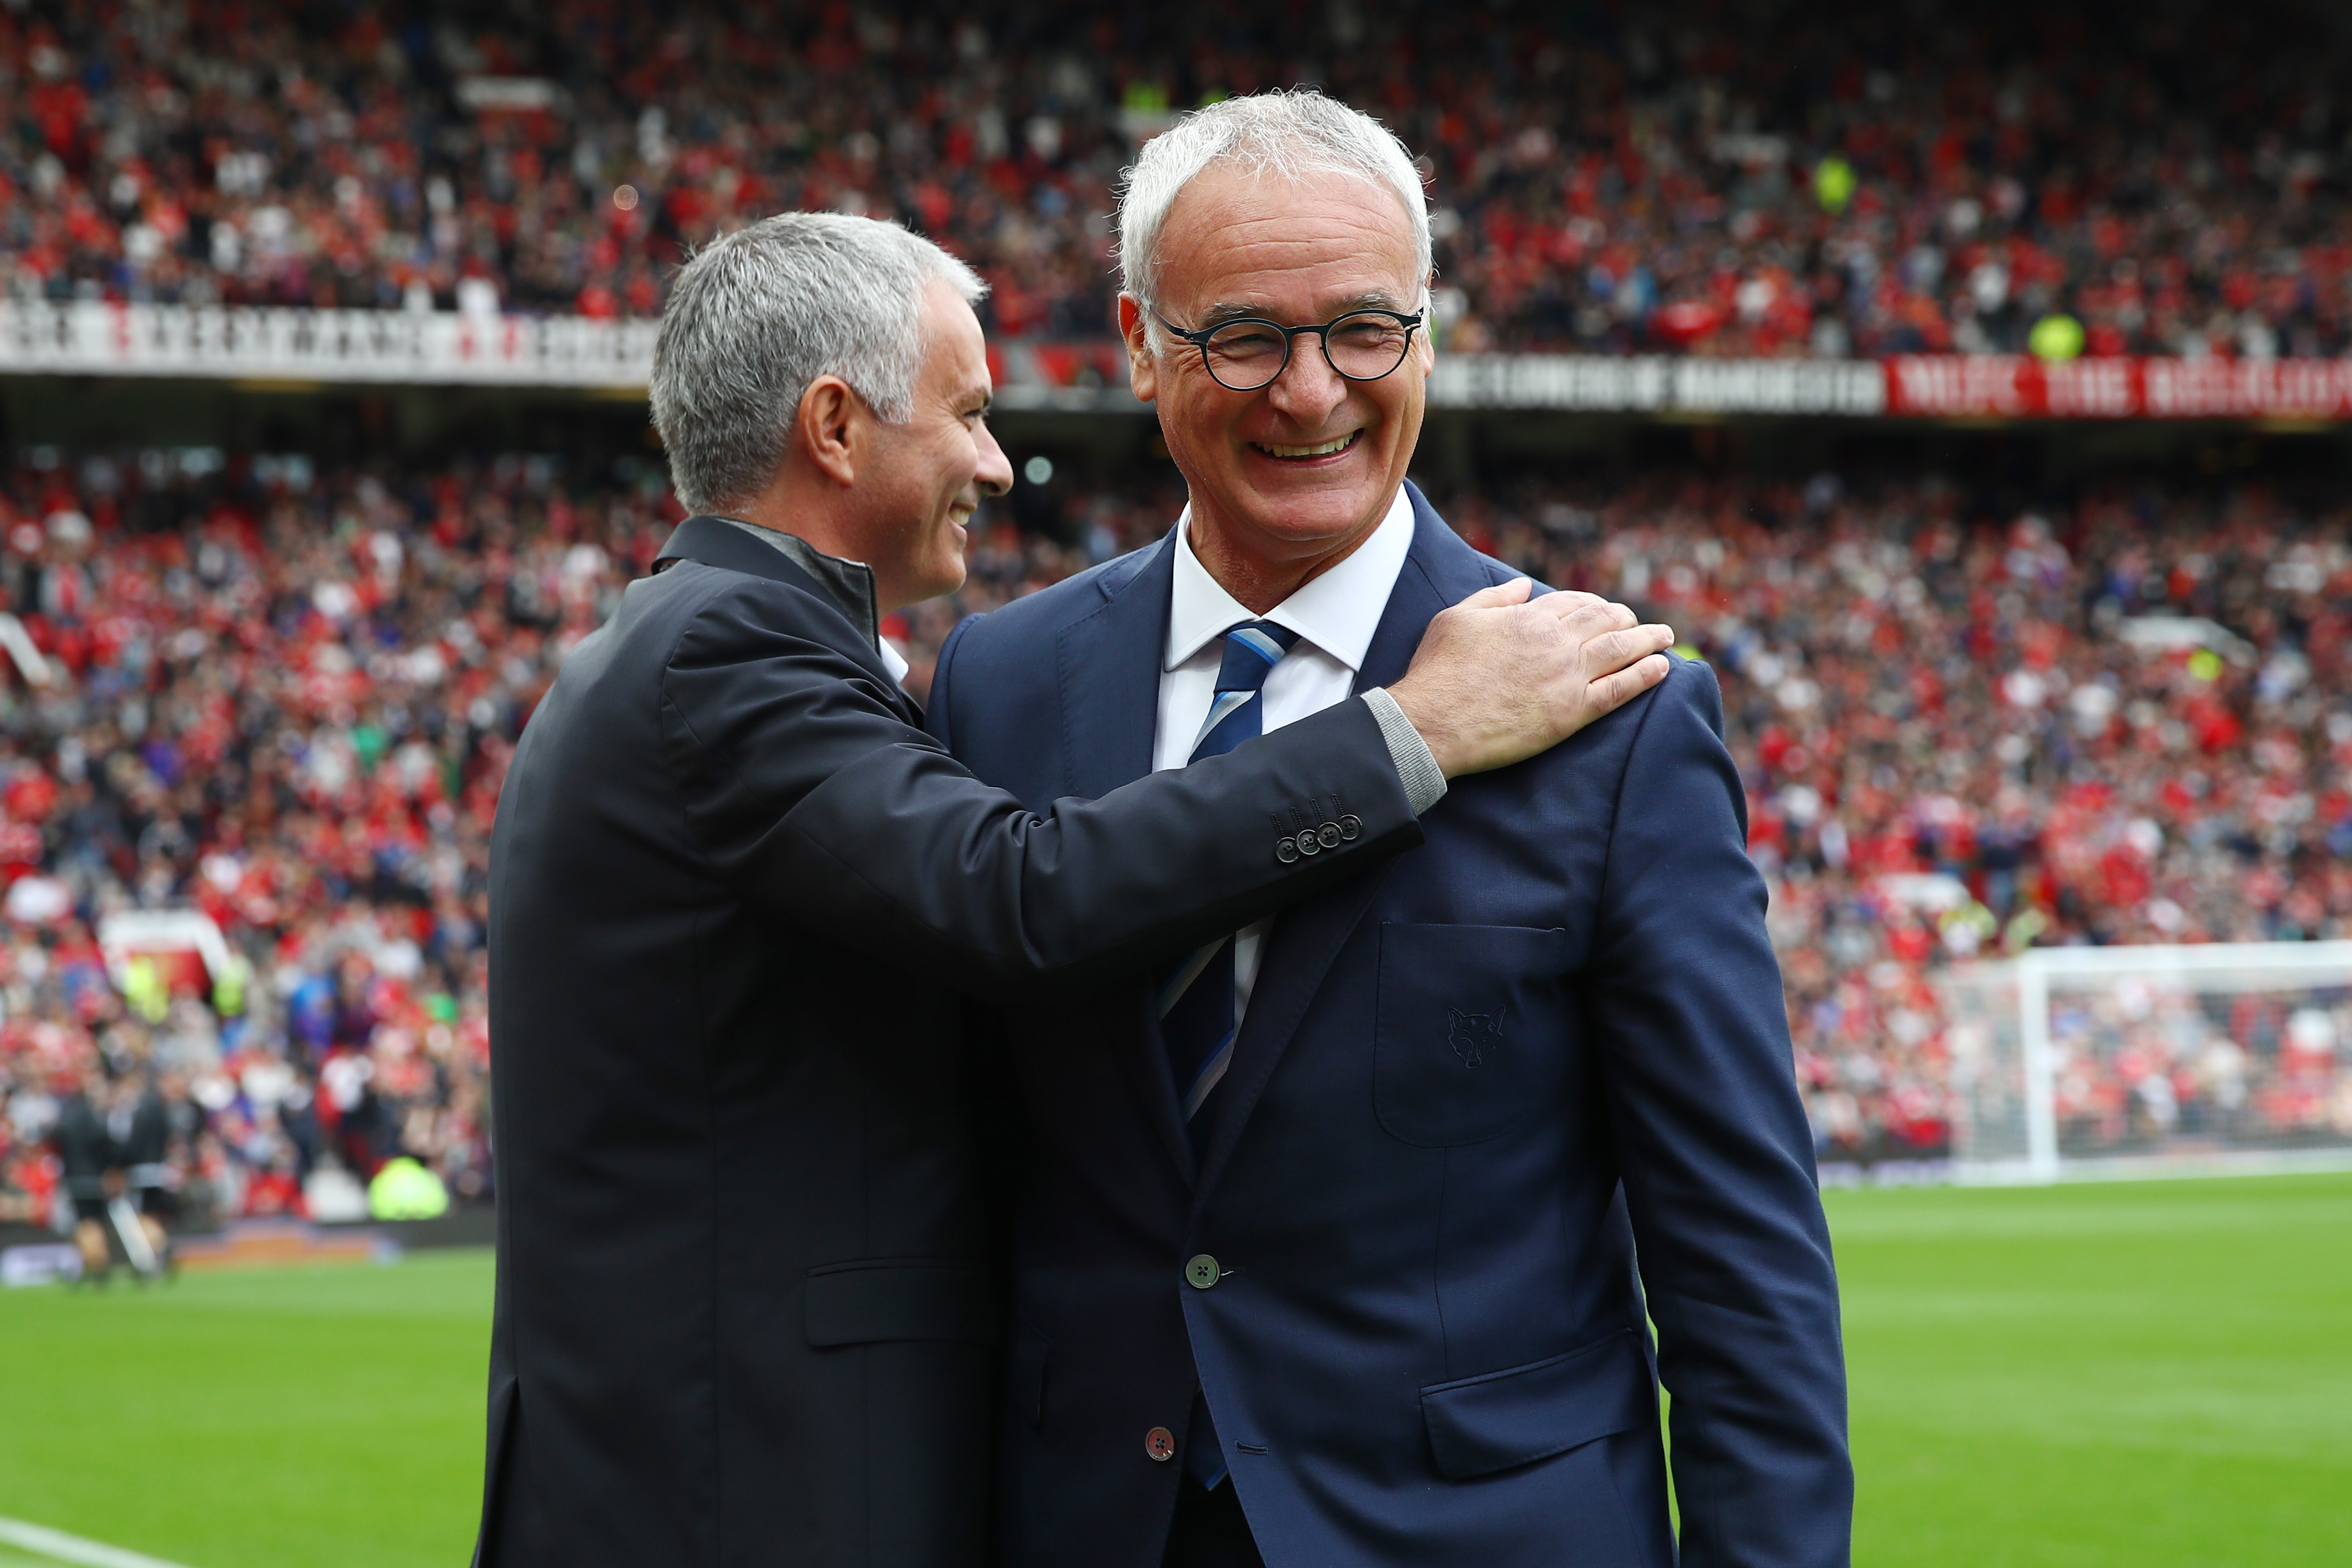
[
  {"x": 995, "y": 472},
  {"x": 1308, "y": 388}
]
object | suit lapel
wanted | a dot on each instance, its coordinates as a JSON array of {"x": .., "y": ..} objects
[
  {"x": 1440, "y": 570},
  {"x": 1107, "y": 667},
  {"x": 1416, "y": 597}
]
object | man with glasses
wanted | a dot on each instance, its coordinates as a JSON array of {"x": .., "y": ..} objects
[{"x": 1326, "y": 1243}]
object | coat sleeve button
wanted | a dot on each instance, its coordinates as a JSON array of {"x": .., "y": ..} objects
[
  {"x": 1329, "y": 836},
  {"x": 1286, "y": 850},
  {"x": 1349, "y": 826},
  {"x": 1160, "y": 1444},
  {"x": 1308, "y": 843}
]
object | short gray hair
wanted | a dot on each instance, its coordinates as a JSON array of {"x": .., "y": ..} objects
[
  {"x": 760, "y": 313},
  {"x": 1289, "y": 134}
]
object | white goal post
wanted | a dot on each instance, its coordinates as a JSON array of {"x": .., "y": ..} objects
[{"x": 2124, "y": 1060}]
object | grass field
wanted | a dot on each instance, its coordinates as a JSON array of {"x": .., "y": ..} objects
[{"x": 2140, "y": 1375}]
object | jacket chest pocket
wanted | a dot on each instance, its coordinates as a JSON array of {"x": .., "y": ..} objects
[{"x": 1470, "y": 1036}]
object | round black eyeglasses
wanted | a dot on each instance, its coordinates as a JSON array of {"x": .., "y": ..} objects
[{"x": 1249, "y": 353}]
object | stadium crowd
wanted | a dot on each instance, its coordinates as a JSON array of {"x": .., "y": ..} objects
[
  {"x": 1929, "y": 179},
  {"x": 284, "y": 697}
]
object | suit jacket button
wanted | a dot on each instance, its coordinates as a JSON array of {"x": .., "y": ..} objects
[
  {"x": 1160, "y": 1444},
  {"x": 1203, "y": 1272},
  {"x": 1329, "y": 836},
  {"x": 1349, "y": 826},
  {"x": 1286, "y": 850},
  {"x": 1308, "y": 843}
]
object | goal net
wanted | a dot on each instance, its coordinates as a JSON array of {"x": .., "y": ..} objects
[{"x": 2110, "y": 1057}]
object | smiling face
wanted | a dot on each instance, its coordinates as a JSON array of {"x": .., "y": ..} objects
[
  {"x": 924, "y": 477},
  {"x": 1289, "y": 478}
]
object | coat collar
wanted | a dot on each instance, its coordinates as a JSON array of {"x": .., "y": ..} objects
[
  {"x": 716, "y": 541},
  {"x": 724, "y": 543}
]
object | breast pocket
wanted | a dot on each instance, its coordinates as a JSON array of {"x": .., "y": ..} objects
[{"x": 1471, "y": 1036}]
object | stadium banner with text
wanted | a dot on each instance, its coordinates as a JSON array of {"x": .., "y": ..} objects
[
  {"x": 2018, "y": 386},
  {"x": 1652, "y": 383},
  {"x": 415, "y": 347},
  {"x": 441, "y": 347}
]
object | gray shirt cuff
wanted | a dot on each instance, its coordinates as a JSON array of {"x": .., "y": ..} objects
[{"x": 1416, "y": 765}]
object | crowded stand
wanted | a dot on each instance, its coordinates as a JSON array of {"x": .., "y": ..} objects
[
  {"x": 282, "y": 695},
  {"x": 2097, "y": 178}
]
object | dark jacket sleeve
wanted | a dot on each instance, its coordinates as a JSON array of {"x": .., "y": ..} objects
[
  {"x": 1717, "y": 1161},
  {"x": 812, "y": 796}
]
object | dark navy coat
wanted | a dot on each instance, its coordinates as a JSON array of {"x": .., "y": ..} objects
[{"x": 1469, "y": 1089}]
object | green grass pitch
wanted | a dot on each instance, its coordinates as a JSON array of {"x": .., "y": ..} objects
[{"x": 2138, "y": 1375}]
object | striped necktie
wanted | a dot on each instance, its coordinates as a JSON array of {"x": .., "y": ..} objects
[{"x": 1196, "y": 997}]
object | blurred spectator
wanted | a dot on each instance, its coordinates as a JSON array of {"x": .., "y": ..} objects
[{"x": 1772, "y": 179}]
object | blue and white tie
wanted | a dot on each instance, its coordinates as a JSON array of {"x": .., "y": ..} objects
[{"x": 1196, "y": 997}]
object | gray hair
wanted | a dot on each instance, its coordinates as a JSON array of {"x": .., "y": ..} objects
[
  {"x": 1287, "y": 134},
  {"x": 760, "y": 313}
]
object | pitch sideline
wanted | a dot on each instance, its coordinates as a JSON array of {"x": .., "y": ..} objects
[{"x": 56, "y": 1543}]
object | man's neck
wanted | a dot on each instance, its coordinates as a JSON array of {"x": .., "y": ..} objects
[{"x": 1259, "y": 581}]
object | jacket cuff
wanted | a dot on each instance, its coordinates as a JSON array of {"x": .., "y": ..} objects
[{"x": 1416, "y": 764}]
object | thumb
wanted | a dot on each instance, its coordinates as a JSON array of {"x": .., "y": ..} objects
[{"x": 1513, "y": 592}]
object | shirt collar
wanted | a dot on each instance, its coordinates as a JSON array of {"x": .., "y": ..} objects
[
  {"x": 850, "y": 583},
  {"x": 1337, "y": 611}
]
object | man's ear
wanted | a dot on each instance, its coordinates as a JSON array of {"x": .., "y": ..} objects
[
  {"x": 1142, "y": 370},
  {"x": 830, "y": 429}
]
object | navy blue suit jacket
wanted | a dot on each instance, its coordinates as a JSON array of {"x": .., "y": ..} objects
[{"x": 1470, "y": 1088}]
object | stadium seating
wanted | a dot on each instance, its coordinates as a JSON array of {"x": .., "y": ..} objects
[
  {"x": 285, "y": 694},
  {"x": 2166, "y": 183}
]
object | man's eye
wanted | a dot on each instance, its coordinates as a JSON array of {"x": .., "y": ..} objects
[{"x": 1245, "y": 340}]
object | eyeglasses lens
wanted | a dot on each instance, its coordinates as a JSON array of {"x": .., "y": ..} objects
[
  {"x": 1366, "y": 348},
  {"x": 1245, "y": 355}
]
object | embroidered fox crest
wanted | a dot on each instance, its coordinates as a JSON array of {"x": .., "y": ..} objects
[{"x": 1475, "y": 1035}]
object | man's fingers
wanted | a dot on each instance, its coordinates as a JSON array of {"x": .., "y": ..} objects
[
  {"x": 1590, "y": 620},
  {"x": 1611, "y": 692},
  {"x": 1513, "y": 592},
  {"x": 1619, "y": 648}
]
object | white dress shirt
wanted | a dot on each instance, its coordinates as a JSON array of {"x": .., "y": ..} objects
[{"x": 1335, "y": 615}]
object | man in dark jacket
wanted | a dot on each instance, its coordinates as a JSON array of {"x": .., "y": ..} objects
[
  {"x": 749, "y": 1296},
  {"x": 86, "y": 1153},
  {"x": 145, "y": 1148}
]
